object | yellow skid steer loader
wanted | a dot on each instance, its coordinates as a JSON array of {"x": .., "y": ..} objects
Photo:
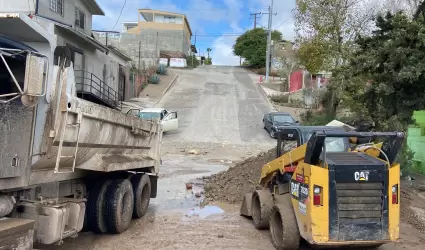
[{"x": 327, "y": 191}]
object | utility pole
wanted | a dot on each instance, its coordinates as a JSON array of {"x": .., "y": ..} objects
[
  {"x": 255, "y": 18},
  {"x": 192, "y": 50},
  {"x": 269, "y": 38}
]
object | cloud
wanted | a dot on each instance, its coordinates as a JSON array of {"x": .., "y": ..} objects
[
  {"x": 197, "y": 11},
  {"x": 205, "y": 16},
  {"x": 222, "y": 53}
]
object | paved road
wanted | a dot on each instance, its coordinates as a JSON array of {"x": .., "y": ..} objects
[{"x": 218, "y": 105}]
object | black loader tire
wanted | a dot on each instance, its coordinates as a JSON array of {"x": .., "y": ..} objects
[
  {"x": 96, "y": 208},
  {"x": 142, "y": 194},
  {"x": 119, "y": 202},
  {"x": 261, "y": 207},
  {"x": 284, "y": 227}
]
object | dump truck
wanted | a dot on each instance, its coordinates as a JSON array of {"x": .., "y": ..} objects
[
  {"x": 67, "y": 164},
  {"x": 329, "y": 190}
]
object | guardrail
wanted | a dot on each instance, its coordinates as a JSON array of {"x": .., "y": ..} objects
[{"x": 89, "y": 83}]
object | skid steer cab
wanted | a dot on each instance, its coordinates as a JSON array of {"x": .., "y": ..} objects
[{"x": 328, "y": 193}]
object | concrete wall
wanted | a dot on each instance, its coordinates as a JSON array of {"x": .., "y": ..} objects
[
  {"x": 95, "y": 61},
  {"x": 161, "y": 25},
  {"x": 152, "y": 42},
  {"x": 17, "y": 6},
  {"x": 69, "y": 13}
]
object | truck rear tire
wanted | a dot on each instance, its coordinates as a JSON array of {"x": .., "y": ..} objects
[
  {"x": 119, "y": 206},
  {"x": 142, "y": 193},
  {"x": 284, "y": 227},
  {"x": 261, "y": 206},
  {"x": 96, "y": 207}
]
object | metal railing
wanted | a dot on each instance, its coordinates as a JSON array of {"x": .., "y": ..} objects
[{"x": 89, "y": 83}]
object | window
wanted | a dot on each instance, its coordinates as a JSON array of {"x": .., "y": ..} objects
[
  {"x": 57, "y": 6},
  {"x": 283, "y": 119},
  {"x": 150, "y": 115},
  {"x": 170, "y": 19},
  {"x": 80, "y": 19}
]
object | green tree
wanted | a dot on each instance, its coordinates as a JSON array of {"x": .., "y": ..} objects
[
  {"x": 385, "y": 78},
  {"x": 208, "y": 61},
  {"x": 252, "y": 45},
  {"x": 208, "y": 51},
  {"x": 326, "y": 30},
  {"x": 190, "y": 59}
]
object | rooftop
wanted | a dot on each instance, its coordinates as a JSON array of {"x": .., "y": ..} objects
[
  {"x": 94, "y": 7},
  {"x": 120, "y": 53},
  {"x": 148, "y": 14}
]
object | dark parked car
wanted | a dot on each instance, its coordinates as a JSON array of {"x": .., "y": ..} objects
[{"x": 274, "y": 120}]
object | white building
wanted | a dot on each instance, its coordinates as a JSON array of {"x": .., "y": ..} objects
[{"x": 94, "y": 63}]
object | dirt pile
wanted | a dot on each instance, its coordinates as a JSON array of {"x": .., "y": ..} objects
[{"x": 230, "y": 186}]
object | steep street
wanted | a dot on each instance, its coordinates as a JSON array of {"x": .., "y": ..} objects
[{"x": 217, "y": 105}]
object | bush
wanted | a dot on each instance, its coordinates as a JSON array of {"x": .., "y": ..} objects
[
  {"x": 407, "y": 164},
  {"x": 280, "y": 98},
  {"x": 161, "y": 69},
  {"x": 189, "y": 61},
  {"x": 154, "y": 79},
  {"x": 208, "y": 61},
  {"x": 315, "y": 118}
]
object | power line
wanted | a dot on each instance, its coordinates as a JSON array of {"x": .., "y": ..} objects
[
  {"x": 125, "y": 2},
  {"x": 255, "y": 18},
  {"x": 282, "y": 23}
]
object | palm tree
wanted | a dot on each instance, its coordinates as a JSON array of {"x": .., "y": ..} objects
[{"x": 209, "y": 50}]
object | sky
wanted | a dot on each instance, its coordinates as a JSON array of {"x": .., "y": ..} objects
[{"x": 217, "y": 23}]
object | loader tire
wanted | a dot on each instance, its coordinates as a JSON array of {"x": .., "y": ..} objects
[
  {"x": 142, "y": 194},
  {"x": 119, "y": 202},
  {"x": 261, "y": 206},
  {"x": 96, "y": 208},
  {"x": 284, "y": 227}
]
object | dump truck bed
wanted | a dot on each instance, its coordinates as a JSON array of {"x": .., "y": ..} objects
[{"x": 62, "y": 135}]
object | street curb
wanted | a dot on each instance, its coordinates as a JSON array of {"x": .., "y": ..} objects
[
  {"x": 274, "y": 108},
  {"x": 170, "y": 85}
]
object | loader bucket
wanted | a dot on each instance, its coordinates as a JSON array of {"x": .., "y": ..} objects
[{"x": 246, "y": 205}]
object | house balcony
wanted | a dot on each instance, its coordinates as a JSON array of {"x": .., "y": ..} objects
[{"x": 92, "y": 88}]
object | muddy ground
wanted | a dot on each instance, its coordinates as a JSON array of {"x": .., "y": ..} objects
[
  {"x": 230, "y": 186},
  {"x": 177, "y": 218}
]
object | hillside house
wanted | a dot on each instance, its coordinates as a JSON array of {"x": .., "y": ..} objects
[
  {"x": 101, "y": 72},
  {"x": 172, "y": 30}
]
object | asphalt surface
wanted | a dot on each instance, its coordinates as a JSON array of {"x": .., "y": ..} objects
[{"x": 218, "y": 105}]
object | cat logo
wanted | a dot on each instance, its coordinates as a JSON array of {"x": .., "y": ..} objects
[{"x": 361, "y": 176}]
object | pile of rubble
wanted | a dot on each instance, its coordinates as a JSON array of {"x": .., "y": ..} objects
[{"x": 230, "y": 186}]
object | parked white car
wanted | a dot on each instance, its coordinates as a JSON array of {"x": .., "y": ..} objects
[{"x": 168, "y": 119}]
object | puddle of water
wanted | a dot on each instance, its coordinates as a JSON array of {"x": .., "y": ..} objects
[
  {"x": 204, "y": 212},
  {"x": 176, "y": 172}
]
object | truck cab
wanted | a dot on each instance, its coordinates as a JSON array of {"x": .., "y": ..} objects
[{"x": 168, "y": 119}]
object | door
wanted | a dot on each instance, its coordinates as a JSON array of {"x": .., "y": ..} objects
[
  {"x": 121, "y": 84},
  {"x": 268, "y": 122},
  {"x": 170, "y": 122},
  {"x": 77, "y": 58}
]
